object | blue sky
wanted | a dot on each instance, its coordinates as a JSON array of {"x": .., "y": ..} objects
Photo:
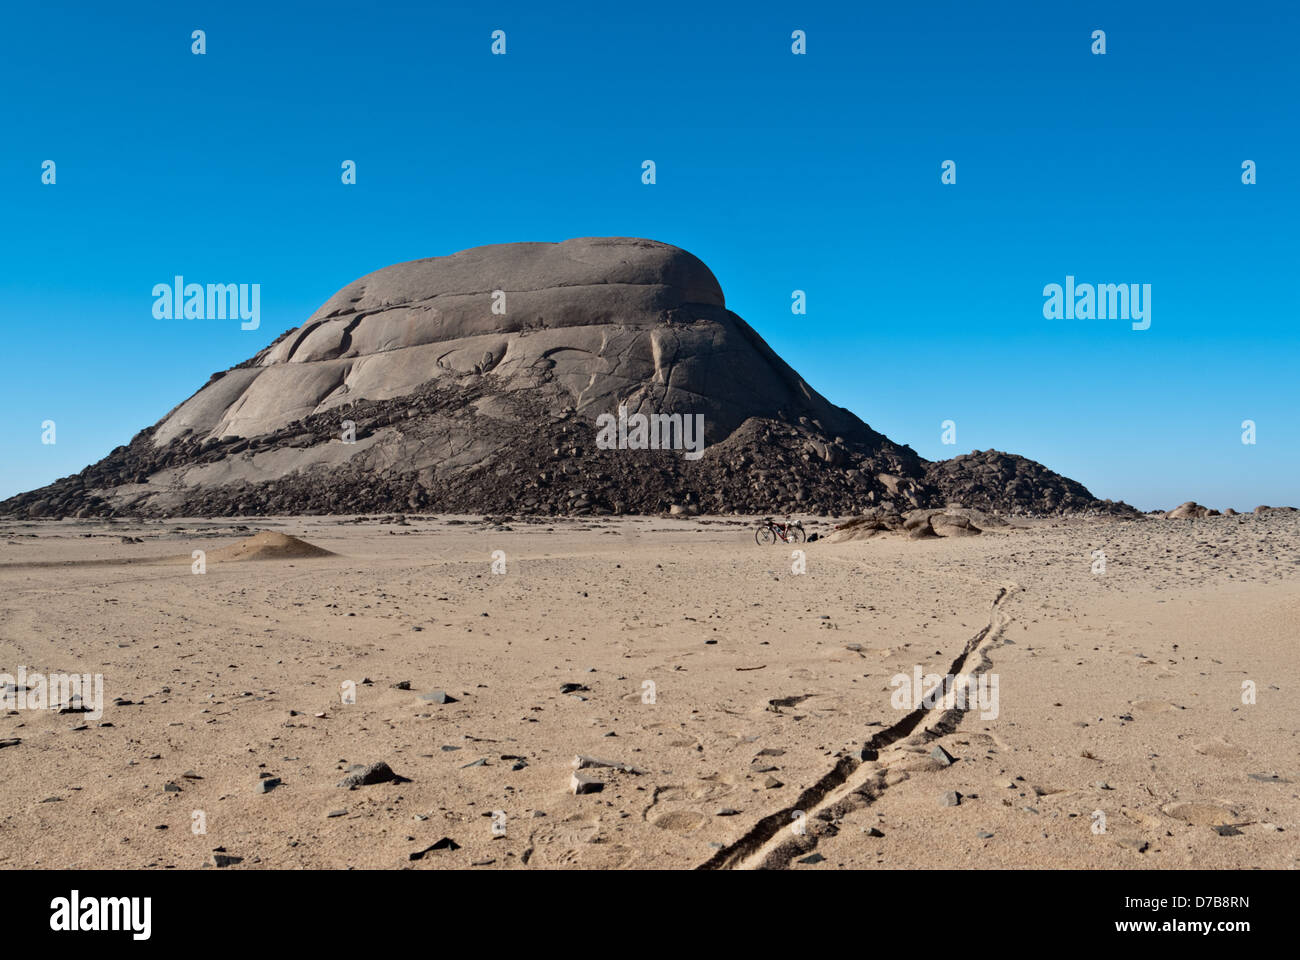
[{"x": 818, "y": 172}]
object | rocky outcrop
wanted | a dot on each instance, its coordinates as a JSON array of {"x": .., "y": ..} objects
[
  {"x": 1005, "y": 483},
  {"x": 590, "y": 323},
  {"x": 917, "y": 524},
  {"x": 475, "y": 383}
]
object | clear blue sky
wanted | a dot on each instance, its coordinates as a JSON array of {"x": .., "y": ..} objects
[{"x": 818, "y": 172}]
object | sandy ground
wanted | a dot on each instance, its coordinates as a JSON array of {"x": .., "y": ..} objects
[{"x": 739, "y": 695}]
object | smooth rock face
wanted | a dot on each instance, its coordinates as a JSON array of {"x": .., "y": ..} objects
[
  {"x": 474, "y": 383},
  {"x": 609, "y": 320}
]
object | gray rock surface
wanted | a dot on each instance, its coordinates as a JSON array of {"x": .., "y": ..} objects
[{"x": 360, "y": 775}]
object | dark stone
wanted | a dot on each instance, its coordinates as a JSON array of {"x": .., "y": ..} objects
[
  {"x": 942, "y": 756},
  {"x": 362, "y": 776}
]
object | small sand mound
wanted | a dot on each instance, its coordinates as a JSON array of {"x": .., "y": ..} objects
[{"x": 270, "y": 546}]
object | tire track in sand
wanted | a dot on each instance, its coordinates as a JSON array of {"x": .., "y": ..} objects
[{"x": 855, "y": 781}]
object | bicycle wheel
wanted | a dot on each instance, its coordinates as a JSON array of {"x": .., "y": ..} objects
[
  {"x": 795, "y": 535},
  {"x": 764, "y": 536}
]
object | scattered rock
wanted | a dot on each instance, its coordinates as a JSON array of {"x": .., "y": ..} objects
[
  {"x": 361, "y": 776},
  {"x": 580, "y": 783},
  {"x": 581, "y": 762},
  {"x": 942, "y": 756}
]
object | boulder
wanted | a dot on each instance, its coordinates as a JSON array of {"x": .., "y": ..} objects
[{"x": 953, "y": 525}]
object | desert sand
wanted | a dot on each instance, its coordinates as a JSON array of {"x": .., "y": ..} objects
[{"x": 746, "y": 708}]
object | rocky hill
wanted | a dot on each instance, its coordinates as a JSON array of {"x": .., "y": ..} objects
[{"x": 476, "y": 383}]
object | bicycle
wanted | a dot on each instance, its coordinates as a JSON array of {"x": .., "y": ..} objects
[{"x": 790, "y": 532}]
